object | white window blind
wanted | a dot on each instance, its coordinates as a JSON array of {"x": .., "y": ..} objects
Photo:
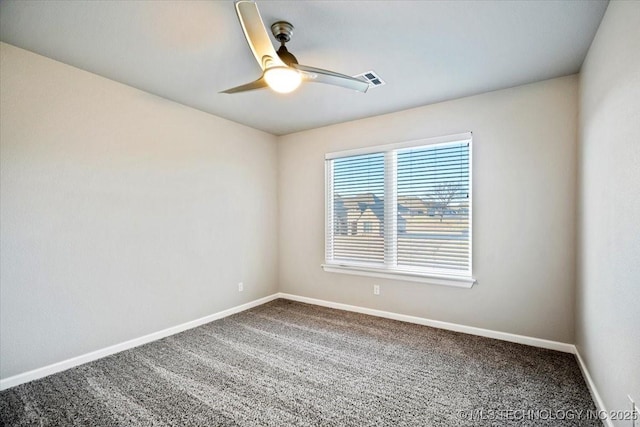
[
  {"x": 358, "y": 208},
  {"x": 404, "y": 208},
  {"x": 433, "y": 207}
]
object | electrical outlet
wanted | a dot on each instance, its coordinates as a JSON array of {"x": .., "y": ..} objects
[
  {"x": 376, "y": 289},
  {"x": 240, "y": 287}
]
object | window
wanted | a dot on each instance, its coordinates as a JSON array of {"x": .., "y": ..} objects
[{"x": 402, "y": 211}]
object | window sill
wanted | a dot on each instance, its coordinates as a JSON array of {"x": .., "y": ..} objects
[{"x": 432, "y": 279}]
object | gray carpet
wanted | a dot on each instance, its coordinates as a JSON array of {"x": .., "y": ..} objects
[{"x": 287, "y": 363}]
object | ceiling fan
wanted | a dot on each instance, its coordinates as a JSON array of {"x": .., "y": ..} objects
[{"x": 280, "y": 70}]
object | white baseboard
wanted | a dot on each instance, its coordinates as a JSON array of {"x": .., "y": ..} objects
[
  {"x": 98, "y": 354},
  {"x": 504, "y": 336},
  {"x": 593, "y": 390}
]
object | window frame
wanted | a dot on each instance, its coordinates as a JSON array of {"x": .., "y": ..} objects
[{"x": 389, "y": 269}]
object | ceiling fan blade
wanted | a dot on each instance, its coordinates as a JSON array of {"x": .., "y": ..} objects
[
  {"x": 319, "y": 75},
  {"x": 256, "y": 35},
  {"x": 258, "y": 84}
]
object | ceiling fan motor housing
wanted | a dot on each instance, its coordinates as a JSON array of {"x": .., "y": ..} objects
[{"x": 282, "y": 31}]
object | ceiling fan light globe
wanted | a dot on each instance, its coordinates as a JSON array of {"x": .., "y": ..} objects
[{"x": 282, "y": 79}]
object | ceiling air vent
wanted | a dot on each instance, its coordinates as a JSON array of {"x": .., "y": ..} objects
[{"x": 372, "y": 78}]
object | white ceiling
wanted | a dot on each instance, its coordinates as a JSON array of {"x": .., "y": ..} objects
[{"x": 426, "y": 51}]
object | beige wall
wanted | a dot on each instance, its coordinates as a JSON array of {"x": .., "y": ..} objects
[
  {"x": 122, "y": 213},
  {"x": 608, "y": 297},
  {"x": 524, "y": 211}
]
